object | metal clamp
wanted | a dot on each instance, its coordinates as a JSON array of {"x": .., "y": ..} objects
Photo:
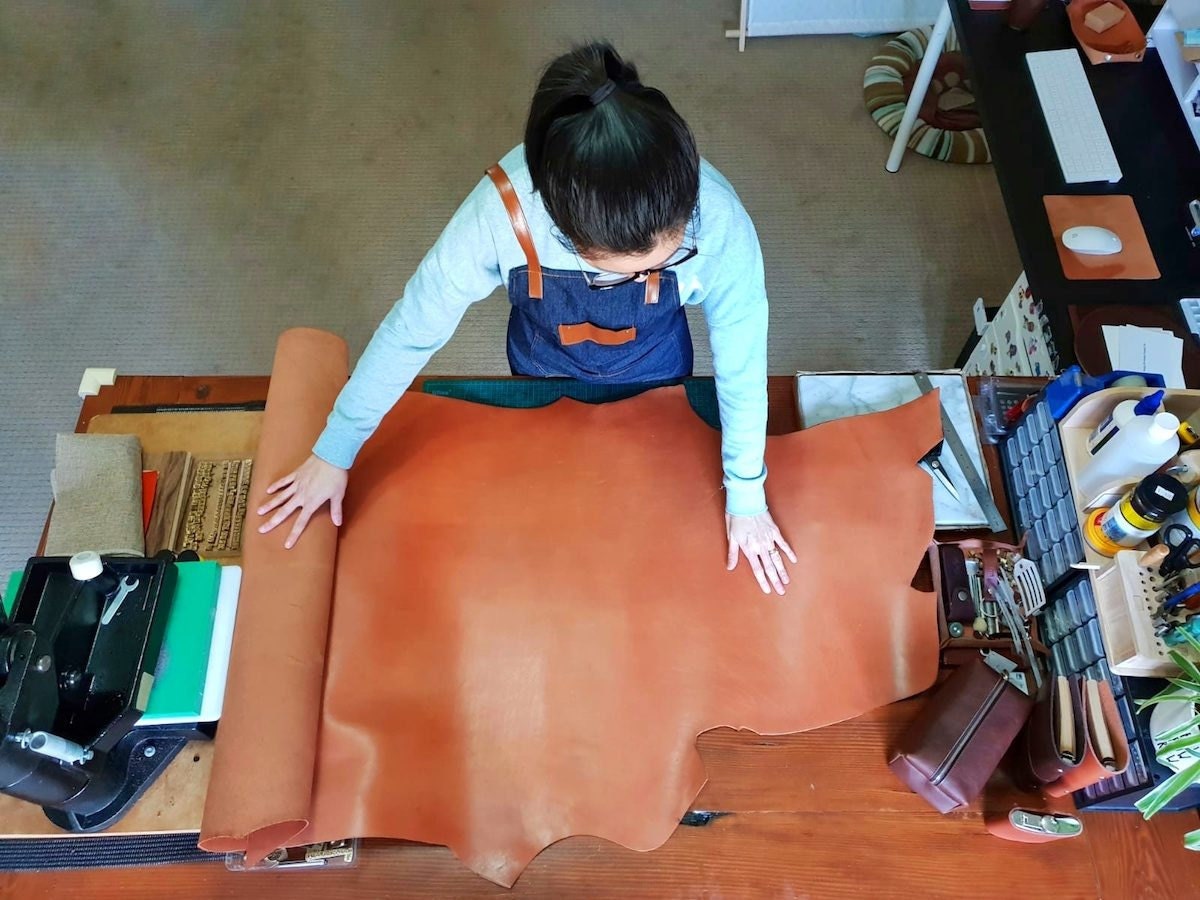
[{"x": 326, "y": 855}]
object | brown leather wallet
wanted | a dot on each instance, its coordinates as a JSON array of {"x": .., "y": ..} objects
[
  {"x": 1044, "y": 756},
  {"x": 958, "y": 738},
  {"x": 1097, "y": 761}
]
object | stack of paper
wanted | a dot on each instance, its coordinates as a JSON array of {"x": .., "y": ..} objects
[{"x": 1153, "y": 351}]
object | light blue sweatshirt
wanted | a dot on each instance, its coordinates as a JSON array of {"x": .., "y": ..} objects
[{"x": 474, "y": 255}]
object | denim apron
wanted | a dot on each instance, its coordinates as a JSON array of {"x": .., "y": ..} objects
[{"x": 560, "y": 327}]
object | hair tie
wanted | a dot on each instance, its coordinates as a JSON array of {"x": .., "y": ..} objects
[{"x": 602, "y": 93}]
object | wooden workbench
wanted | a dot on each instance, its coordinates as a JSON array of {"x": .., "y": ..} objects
[{"x": 815, "y": 814}]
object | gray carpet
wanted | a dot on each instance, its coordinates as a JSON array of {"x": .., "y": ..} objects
[{"x": 181, "y": 181}]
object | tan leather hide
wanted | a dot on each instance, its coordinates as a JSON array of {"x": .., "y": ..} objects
[{"x": 532, "y": 622}]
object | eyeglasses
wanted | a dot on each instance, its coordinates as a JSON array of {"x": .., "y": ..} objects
[{"x": 602, "y": 281}]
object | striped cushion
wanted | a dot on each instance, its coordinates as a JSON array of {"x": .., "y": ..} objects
[{"x": 886, "y": 97}]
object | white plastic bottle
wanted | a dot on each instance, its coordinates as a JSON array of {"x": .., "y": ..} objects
[
  {"x": 1143, "y": 445},
  {"x": 1120, "y": 416}
]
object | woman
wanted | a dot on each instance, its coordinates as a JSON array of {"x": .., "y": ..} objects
[{"x": 602, "y": 226}]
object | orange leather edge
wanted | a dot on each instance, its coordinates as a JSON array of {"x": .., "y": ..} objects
[
  {"x": 652, "y": 286},
  {"x": 520, "y": 227},
  {"x": 570, "y": 335}
]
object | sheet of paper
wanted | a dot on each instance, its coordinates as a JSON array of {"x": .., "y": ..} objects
[
  {"x": 1133, "y": 348},
  {"x": 218, "y": 660},
  {"x": 825, "y": 396}
]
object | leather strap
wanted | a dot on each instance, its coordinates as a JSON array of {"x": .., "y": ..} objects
[
  {"x": 652, "y": 286},
  {"x": 570, "y": 335},
  {"x": 520, "y": 227}
]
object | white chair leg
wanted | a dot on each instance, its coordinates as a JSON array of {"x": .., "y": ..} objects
[{"x": 920, "y": 85}]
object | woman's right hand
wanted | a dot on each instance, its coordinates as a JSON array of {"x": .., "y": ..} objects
[{"x": 307, "y": 489}]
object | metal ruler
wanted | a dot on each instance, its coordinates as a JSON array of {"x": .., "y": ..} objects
[{"x": 958, "y": 449}]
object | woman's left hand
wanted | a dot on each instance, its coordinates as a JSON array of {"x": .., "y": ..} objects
[{"x": 759, "y": 539}]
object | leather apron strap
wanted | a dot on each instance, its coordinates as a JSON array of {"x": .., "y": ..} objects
[
  {"x": 652, "y": 283},
  {"x": 520, "y": 227}
]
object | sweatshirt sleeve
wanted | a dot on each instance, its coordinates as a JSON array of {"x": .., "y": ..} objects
[
  {"x": 735, "y": 307},
  {"x": 462, "y": 267}
]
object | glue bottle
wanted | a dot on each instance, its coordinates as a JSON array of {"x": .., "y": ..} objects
[
  {"x": 1136, "y": 516},
  {"x": 1120, "y": 416},
  {"x": 1140, "y": 447}
]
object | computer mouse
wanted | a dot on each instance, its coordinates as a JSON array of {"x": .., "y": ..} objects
[{"x": 1091, "y": 240}]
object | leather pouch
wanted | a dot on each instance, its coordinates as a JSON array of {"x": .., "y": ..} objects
[
  {"x": 957, "y": 740},
  {"x": 955, "y": 590},
  {"x": 1053, "y": 739},
  {"x": 1100, "y": 759}
]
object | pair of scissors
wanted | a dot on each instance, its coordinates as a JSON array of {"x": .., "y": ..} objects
[
  {"x": 931, "y": 462},
  {"x": 1181, "y": 545}
]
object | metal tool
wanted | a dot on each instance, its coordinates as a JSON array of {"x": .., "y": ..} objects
[
  {"x": 326, "y": 855},
  {"x": 126, "y": 587},
  {"x": 975, "y": 582},
  {"x": 931, "y": 462},
  {"x": 959, "y": 451},
  {"x": 1032, "y": 822},
  {"x": 1007, "y": 601},
  {"x": 1028, "y": 582},
  {"x": 1189, "y": 597},
  {"x": 1006, "y": 669},
  {"x": 1181, "y": 547}
]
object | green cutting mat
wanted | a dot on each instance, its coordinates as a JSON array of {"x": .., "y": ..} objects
[
  {"x": 183, "y": 661},
  {"x": 10, "y": 591},
  {"x": 533, "y": 392}
]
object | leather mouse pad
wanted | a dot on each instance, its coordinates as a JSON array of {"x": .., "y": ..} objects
[
  {"x": 1115, "y": 212},
  {"x": 531, "y": 620}
]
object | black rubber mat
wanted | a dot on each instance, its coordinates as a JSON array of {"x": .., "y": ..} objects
[{"x": 101, "y": 852}]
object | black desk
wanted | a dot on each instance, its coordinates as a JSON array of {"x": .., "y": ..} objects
[{"x": 1158, "y": 156}]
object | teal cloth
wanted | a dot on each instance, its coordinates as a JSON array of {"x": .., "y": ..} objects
[{"x": 534, "y": 392}]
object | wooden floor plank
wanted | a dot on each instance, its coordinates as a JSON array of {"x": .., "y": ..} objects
[
  {"x": 840, "y": 768},
  {"x": 751, "y": 855},
  {"x": 1135, "y": 859}
]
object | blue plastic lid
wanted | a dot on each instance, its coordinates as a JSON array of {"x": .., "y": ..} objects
[{"x": 1149, "y": 404}]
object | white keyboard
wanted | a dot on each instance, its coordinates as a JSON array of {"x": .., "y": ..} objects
[{"x": 1084, "y": 151}]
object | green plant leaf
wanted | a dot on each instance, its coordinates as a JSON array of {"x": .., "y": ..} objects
[
  {"x": 1191, "y": 840},
  {"x": 1178, "y": 729},
  {"x": 1190, "y": 742},
  {"x": 1192, "y": 640},
  {"x": 1186, "y": 666},
  {"x": 1184, "y": 685},
  {"x": 1168, "y": 790},
  {"x": 1166, "y": 695}
]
